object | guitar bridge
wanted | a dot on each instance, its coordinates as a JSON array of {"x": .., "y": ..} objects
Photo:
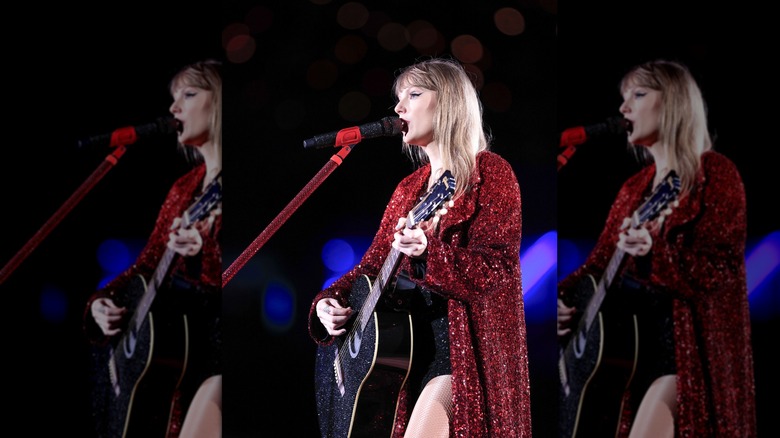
[
  {"x": 338, "y": 375},
  {"x": 113, "y": 375}
]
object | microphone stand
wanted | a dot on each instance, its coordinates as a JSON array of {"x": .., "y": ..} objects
[
  {"x": 570, "y": 138},
  {"x": 345, "y": 138},
  {"x": 109, "y": 162},
  {"x": 563, "y": 157}
]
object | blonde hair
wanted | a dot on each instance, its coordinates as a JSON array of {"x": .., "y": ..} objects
[
  {"x": 457, "y": 119},
  {"x": 683, "y": 121},
  {"x": 206, "y": 75}
]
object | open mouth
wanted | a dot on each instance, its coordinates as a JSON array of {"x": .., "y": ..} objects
[
  {"x": 179, "y": 126},
  {"x": 628, "y": 125},
  {"x": 404, "y": 126}
]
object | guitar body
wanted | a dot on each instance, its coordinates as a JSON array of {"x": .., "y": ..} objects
[
  {"x": 599, "y": 364},
  {"x": 373, "y": 369},
  {"x": 141, "y": 372}
]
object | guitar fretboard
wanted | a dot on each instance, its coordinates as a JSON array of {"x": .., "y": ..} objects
[
  {"x": 385, "y": 273},
  {"x": 145, "y": 302},
  {"x": 601, "y": 290}
]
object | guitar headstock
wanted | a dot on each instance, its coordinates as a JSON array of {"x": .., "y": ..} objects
[
  {"x": 433, "y": 200},
  {"x": 664, "y": 196},
  {"x": 206, "y": 202}
]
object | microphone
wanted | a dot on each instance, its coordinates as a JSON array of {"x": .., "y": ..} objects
[
  {"x": 581, "y": 134},
  {"x": 131, "y": 134},
  {"x": 385, "y": 127}
]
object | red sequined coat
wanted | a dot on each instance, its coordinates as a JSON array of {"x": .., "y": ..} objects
[
  {"x": 203, "y": 271},
  {"x": 474, "y": 261},
  {"x": 699, "y": 258}
]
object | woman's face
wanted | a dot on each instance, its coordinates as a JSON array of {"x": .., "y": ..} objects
[
  {"x": 192, "y": 108},
  {"x": 642, "y": 107},
  {"x": 416, "y": 106}
]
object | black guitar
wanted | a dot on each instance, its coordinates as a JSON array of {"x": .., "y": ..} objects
[
  {"x": 599, "y": 360},
  {"x": 358, "y": 378},
  {"x": 142, "y": 368}
]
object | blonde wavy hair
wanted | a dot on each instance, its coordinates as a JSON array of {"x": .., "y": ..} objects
[
  {"x": 206, "y": 75},
  {"x": 457, "y": 119},
  {"x": 683, "y": 124}
]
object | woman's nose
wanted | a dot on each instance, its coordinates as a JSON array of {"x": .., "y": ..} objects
[
  {"x": 174, "y": 108},
  {"x": 398, "y": 108},
  {"x": 624, "y": 108}
]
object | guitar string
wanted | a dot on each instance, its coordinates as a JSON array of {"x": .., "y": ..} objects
[
  {"x": 667, "y": 192},
  {"x": 392, "y": 260}
]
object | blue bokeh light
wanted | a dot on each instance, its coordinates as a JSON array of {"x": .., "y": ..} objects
[
  {"x": 338, "y": 255},
  {"x": 537, "y": 261},
  {"x": 538, "y": 266},
  {"x": 762, "y": 264},
  {"x": 763, "y": 260},
  {"x": 54, "y": 304},
  {"x": 278, "y": 306},
  {"x": 114, "y": 256}
]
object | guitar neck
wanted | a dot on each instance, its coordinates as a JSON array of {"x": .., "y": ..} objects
[
  {"x": 146, "y": 300},
  {"x": 387, "y": 272},
  {"x": 601, "y": 289}
]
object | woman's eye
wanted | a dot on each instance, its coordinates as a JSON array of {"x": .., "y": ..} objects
[
  {"x": 640, "y": 94},
  {"x": 413, "y": 95},
  {"x": 190, "y": 94}
]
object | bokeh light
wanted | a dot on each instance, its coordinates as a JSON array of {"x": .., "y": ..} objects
[
  {"x": 350, "y": 49},
  {"x": 570, "y": 256},
  {"x": 53, "y": 304},
  {"x": 538, "y": 260},
  {"x": 278, "y": 306},
  {"x": 240, "y": 49},
  {"x": 354, "y": 106},
  {"x": 233, "y": 30},
  {"x": 763, "y": 260},
  {"x": 352, "y": 15},
  {"x": 113, "y": 256},
  {"x": 467, "y": 48},
  {"x": 422, "y": 35},
  {"x": 509, "y": 21},
  {"x": 376, "y": 20},
  {"x": 393, "y": 37},
  {"x": 338, "y": 255}
]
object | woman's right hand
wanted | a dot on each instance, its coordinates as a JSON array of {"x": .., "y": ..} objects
[
  {"x": 108, "y": 316},
  {"x": 565, "y": 315},
  {"x": 333, "y": 316}
]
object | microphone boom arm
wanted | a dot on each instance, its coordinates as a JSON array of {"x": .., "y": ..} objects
[
  {"x": 288, "y": 210},
  {"x": 107, "y": 164}
]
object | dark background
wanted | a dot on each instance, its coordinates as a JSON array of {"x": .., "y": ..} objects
[
  {"x": 270, "y": 108},
  {"x": 68, "y": 79},
  {"x": 725, "y": 48}
]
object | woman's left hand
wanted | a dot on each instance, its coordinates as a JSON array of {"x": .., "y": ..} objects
[
  {"x": 411, "y": 242},
  {"x": 185, "y": 241},
  {"x": 635, "y": 241}
]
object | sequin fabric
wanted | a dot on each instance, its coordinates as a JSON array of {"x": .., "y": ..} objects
[
  {"x": 473, "y": 260},
  {"x": 699, "y": 258},
  {"x": 203, "y": 271}
]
